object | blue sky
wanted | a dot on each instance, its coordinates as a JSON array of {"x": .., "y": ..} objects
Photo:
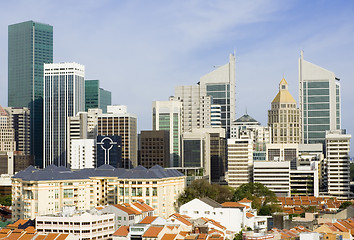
[{"x": 140, "y": 50}]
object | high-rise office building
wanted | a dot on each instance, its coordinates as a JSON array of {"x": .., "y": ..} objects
[
  {"x": 96, "y": 97},
  {"x": 118, "y": 122},
  {"x": 196, "y": 107},
  {"x": 166, "y": 115},
  {"x": 7, "y": 133},
  {"x": 220, "y": 85},
  {"x": 109, "y": 151},
  {"x": 319, "y": 94},
  {"x": 64, "y": 96},
  {"x": 284, "y": 117},
  {"x": 30, "y": 45},
  {"x": 338, "y": 164},
  {"x": 20, "y": 122},
  {"x": 155, "y": 148}
]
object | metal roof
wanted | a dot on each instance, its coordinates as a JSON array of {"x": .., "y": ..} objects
[{"x": 53, "y": 172}]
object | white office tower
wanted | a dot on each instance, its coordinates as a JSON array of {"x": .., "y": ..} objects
[
  {"x": 220, "y": 84},
  {"x": 338, "y": 171},
  {"x": 7, "y": 133},
  {"x": 240, "y": 161},
  {"x": 195, "y": 107},
  {"x": 64, "y": 97},
  {"x": 167, "y": 115},
  {"x": 215, "y": 115},
  {"x": 83, "y": 153},
  {"x": 275, "y": 175},
  {"x": 319, "y": 94}
]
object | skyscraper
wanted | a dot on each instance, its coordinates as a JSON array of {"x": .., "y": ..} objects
[
  {"x": 166, "y": 115},
  {"x": 319, "y": 94},
  {"x": 220, "y": 84},
  {"x": 96, "y": 97},
  {"x": 30, "y": 45},
  {"x": 64, "y": 96},
  {"x": 117, "y": 121},
  {"x": 284, "y": 117}
]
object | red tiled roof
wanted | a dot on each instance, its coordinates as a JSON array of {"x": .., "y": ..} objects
[
  {"x": 148, "y": 220},
  {"x": 125, "y": 209},
  {"x": 249, "y": 215},
  {"x": 234, "y": 205},
  {"x": 62, "y": 236},
  {"x": 184, "y": 221},
  {"x": 169, "y": 236},
  {"x": 152, "y": 232},
  {"x": 123, "y": 231},
  {"x": 245, "y": 200}
]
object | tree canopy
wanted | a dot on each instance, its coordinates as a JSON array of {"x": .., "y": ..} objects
[
  {"x": 202, "y": 188},
  {"x": 6, "y": 200},
  {"x": 263, "y": 199}
]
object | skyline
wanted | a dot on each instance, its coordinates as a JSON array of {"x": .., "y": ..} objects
[{"x": 140, "y": 45}]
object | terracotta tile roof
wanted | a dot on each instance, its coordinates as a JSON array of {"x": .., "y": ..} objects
[
  {"x": 123, "y": 208},
  {"x": 215, "y": 231},
  {"x": 51, "y": 236},
  {"x": 202, "y": 236},
  {"x": 99, "y": 208},
  {"x": 30, "y": 230},
  {"x": 191, "y": 237},
  {"x": 26, "y": 236},
  {"x": 245, "y": 200},
  {"x": 123, "y": 231},
  {"x": 152, "y": 232},
  {"x": 249, "y": 215},
  {"x": 62, "y": 236},
  {"x": 184, "y": 221},
  {"x": 16, "y": 224},
  {"x": 14, "y": 236},
  {"x": 234, "y": 205},
  {"x": 215, "y": 223},
  {"x": 136, "y": 212},
  {"x": 148, "y": 220},
  {"x": 169, "y": 236},
  {"x": 143, "y": 206},
  {"x": 40, "y": 237},
  {"x": 340, "y": 227},
  {"x": 183, "y": 233}
]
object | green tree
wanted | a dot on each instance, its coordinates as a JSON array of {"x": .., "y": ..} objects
[
  {"x": 263, "y": 199},
  {"x": 201, "y": 188},
  {"x": 346, "y": 204},
  {"x": 238, "y": 236},
  {"x": 6, "y": 200}
]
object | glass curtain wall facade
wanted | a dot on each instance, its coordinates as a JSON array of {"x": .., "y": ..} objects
[
  {"x": 30, "y": 45},
  {"x": 64, "y": 96},
  {"x": 96, "y": 97},
  {"x": 220, "y": 85},
  {"x": 319, "y": 93}
]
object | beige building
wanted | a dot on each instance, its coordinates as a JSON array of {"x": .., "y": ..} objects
[
  {"x": 7, "y": 133},
  {"x": 117, "y": 121},
  {"x": 338, "y": 172},
  {"x": 46, "y": 191},
  {"x": 284, "y": 117},
  {"x": 240, "y": 161}
]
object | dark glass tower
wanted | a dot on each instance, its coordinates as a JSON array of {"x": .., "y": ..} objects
[
  {"x": 30, "y": 46},
  {"x": 96, "y": 97}
]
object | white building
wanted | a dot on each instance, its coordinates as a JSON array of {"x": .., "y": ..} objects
[
  {"x": 320, "y": 104},
  {"x": 7, "y": 133},
  {"x": 86, "y": 225},
  {"x": 63, "y": 97},
  {"x": 167, "y": 115},
  {"x": 338, "y": 172},
  {"x": 233, "y": 215},
  {"x": 275, "y": 175},
  {"x": 195, "y": 107},
  {"x": 82, "y": 153},
  {"x": 220, "y": 84}
]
